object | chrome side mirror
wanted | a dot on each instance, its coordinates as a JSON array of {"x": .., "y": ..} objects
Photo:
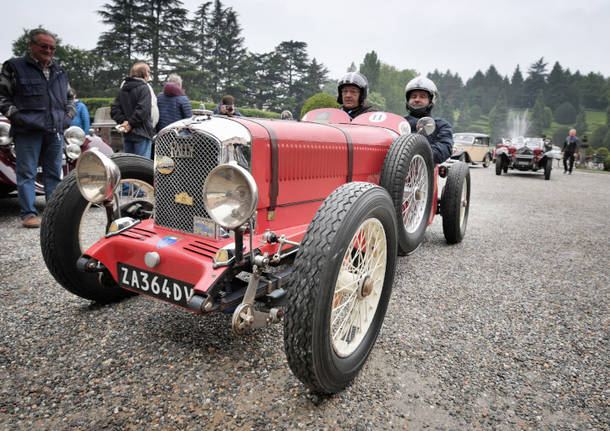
[{"x": 425, "y": 126}]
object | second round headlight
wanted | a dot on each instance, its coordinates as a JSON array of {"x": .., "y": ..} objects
[{"x": 230, "y": 195}]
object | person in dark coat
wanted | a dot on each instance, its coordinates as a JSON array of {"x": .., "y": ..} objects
[
  {"x": 132, "y": 110},
  {"x": 36, "y": 97},
  {"x": 570, "y": 147},
  {"x": 227, "y": 107},
  {"x": 352, "y": 90},
  {"x": 172, "y": 102},
  {"x": 421, "y": 93}
]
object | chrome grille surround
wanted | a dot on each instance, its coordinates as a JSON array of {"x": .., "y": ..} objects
[{"x": 194, "y": 152}]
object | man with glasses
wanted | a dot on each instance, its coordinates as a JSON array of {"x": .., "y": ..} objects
[
  {"x": 36, "y": 97},
  {"x": 352, "y": 89}
]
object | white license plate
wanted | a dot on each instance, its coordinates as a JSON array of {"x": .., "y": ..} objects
[{"x": 165, "y": 288}]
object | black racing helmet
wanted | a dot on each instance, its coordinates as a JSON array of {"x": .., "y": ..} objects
[
  {"x": 425, "y": 84},
  {"x": 353, "y": 78}
]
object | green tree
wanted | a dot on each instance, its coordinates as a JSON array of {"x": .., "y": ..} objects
[
  {"x": 594, "y": 90},
  {"x": 352, "y": 67},
  {"x": 536, "y": 81},
  {"x": 539, "y": 120},
  {"x": 370, "y": 68},
  {"x": 598, "y": 136},
  {"x": 294, "y": 67},
  {"x": 559, "y": 135},
  {"x": 464, "y": 121},
  {"x": 581, "y": 123},
  {"x": 565, "y": 113},
  {"x": 475, "y": 112},
  {"x": 392, "y": 84},
  {"x": 315, "y": 78},
  {"x": 517, "y": 97},
  {"x": 498, "y": 117},
  {"x": 377, "y": 100},
  {"x": 320, "y": 100}
]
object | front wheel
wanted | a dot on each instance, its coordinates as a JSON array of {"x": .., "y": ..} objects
[
  {"x": 455, "y": 203},
  {"x": 340, "y": 287},
  {"x": 71, "y": 224},
  {"x": 548, "y": 167},
  {"x": 408, "y": 176},
  {"x": 499, "y": 163},
  {"x": 486, "y": 160}
]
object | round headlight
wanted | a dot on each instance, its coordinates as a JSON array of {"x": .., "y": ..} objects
[
  {"x": 73, "y": 151},
  {"x": 97, "y": 176},
  {"x": 230, "y": 195},
  {"x": 5, "y": 129},
  {"x": 74, "y": 135}
]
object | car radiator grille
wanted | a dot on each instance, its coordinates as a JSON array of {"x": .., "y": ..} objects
[{"x": 187, "y": 177}]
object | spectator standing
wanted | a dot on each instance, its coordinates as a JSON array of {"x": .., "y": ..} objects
[
  {"x": 35, "y": 95},
  {"x": 82, "y": 118},
  {"x": 570, "y": 147},
  {"x": 132, "y": 110},
  {"x": 172, "y": 102},
  {"x": 227, "y": 107}
]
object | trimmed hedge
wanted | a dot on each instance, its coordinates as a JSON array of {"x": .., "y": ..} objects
[{"x": 320, "y": 100}]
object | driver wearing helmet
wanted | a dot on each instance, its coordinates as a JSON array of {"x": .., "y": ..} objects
[
  {"x": 352, "y": 89},
  {"x": 421, "y": 93}
]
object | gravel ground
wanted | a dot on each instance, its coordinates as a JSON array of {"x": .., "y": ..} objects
[{"x": 507, "y": 330}]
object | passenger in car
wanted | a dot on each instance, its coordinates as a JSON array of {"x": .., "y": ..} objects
[
  {"x": 421, "y": 93},
  {"x": 352, "y": 89}
]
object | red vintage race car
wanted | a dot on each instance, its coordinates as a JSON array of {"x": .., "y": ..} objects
[
  {"x": 75, "y": 142},
  {"x": 267, "y": 219}
]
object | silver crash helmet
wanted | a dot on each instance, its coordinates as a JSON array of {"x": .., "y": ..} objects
[{"x": 425, "y": 84}]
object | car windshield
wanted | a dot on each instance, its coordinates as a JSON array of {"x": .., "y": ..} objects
[
  {"x": 533, "y": 142},
  {"x": 463, "y": 139}
]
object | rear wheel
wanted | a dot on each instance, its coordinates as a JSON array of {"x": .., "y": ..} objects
[
  {"x": 455, "y": 203},
  {"x": 340, "y": 288},
  {"x": 71, "y": 224},
  {"x": 408, "y": 176},
  {"x": 548, "y": 167}
]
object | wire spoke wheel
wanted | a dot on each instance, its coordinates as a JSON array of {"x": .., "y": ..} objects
[
  {"x": 415, "y": 194},
  {"x": 359, "y": 286}
]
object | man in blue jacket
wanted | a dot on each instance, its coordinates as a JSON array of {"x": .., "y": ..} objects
[
  {"x": 36, "y": 97},
  {"x": 172, "y": 102},
  {"x": 421, "y": 93}
]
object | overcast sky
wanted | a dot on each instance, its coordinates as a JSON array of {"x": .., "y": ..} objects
[{"x": 459, "y": 35}]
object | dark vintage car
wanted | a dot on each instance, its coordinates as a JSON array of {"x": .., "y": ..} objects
[
  {"x": 472, "y": 148},
  {"x": 525, "y": 154},
  {"x": 266, "y": 219},
  {"x": 75, "y": 142}
]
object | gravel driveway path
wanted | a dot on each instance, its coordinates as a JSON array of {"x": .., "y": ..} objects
[{"x": 507, "y": 330}]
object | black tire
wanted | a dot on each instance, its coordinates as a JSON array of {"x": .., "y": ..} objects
[
  {"x": 486, "y": 160},
  {"x": 504, "y": 164},
  {"x": 395, "y": 177},
  {"x": 455, "y": 203},
  {"x": 499, "y": 162},
  {"x": 62, "y": 236},
  {"x": 548, "y": 167},
  {"x": 329, "y": 255}
]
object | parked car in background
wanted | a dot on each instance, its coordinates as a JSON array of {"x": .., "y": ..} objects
[
  {"x": 269, "y": 220},
  {"x": 472, "y": 148},
  {"x": 104, "y": 126},
  {"x": 75, "y": 142},
  {"x": 525, "y": 154}
]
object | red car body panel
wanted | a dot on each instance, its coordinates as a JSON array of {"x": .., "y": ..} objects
[{"x": 313, "y": 159}]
